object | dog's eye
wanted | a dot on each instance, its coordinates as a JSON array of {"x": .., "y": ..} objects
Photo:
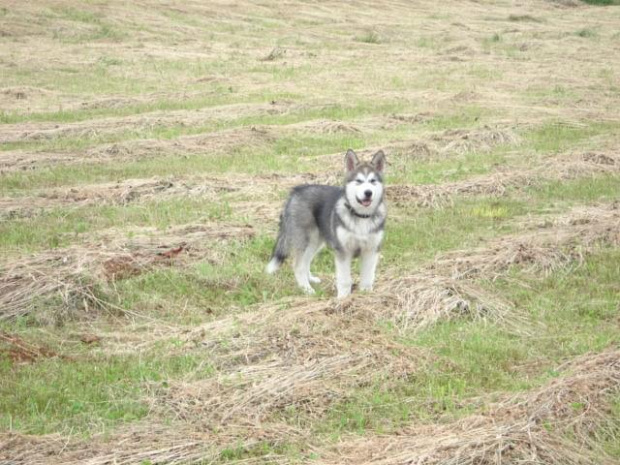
[
  {"x": 373, "y": 181},
  {"x": 359, "y": 181}
]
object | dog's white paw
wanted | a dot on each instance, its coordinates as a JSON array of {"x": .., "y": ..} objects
[
  {"x": 308, "y": 290},
  {"x": 343, "y": 292},
  {"x": 314, "y": 279}
]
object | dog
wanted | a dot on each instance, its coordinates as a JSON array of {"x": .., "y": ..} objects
[{"x": 349, "y": 219}]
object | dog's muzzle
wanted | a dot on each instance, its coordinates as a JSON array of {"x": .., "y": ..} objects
[{"x": 367, "y": 200}]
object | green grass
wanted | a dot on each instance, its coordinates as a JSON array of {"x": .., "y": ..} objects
[
  {"x": 207, "y": 290},
  {"x": 89, "y": 62},
  {"x": 430, "y": 231},
  {"x": 586, "y": 33},
  {"x": 451, "y": 168},
  {"x": 472, "y": 359},
  {"x": 63, "y": 226},
  {"x": 602, "y": 2},
  {"x": 476, "y": 358},
  {"x": 554, "y": 137},
  {"x": 609, "y": 432},
  {"x": 369, "y": 37},
  {"x": 296, "y": 115},
  {"x": 577, "y": 316},
  {"x": 128, "y": 109},
  {"x": 91, "y": 394}
]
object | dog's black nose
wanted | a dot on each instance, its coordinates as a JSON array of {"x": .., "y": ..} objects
[{"x": 368, "y": 194}]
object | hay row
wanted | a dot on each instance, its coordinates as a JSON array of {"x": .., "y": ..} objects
[
  {"x": 115, "y": 193},
  {"x": 210, "y": 189},
  {"x": 306, "y": 366},
  {"x": 421, "y": 300},
  {"x": 225, "y": 141},
  {"x": 307, "y": 356},
  {"x": 545, "y": 249},
  {"x": 442, "y": 290},
  {"x": 445, "y": 288},
  {"x": 76, "y": 275},
  {"x": 530, "y": 428},
  {"x": 145, "y": 443},
  {"x": 41, "y": 131},
  {"x": 121, "y": 193},
  {"x": 564, "y": 167},
  {"x": 209, "y": 144}
]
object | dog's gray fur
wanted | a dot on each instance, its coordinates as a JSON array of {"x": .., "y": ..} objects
[{"x": 348, "y": 219}]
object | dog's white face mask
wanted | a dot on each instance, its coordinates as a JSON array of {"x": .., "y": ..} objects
[
  {"x": 364, "y": 188},
  {"x": 364, "y": 192}
]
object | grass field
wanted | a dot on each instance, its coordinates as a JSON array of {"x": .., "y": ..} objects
[{"x": 146, "y": 149}]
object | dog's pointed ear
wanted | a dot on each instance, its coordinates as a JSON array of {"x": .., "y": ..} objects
[
  {"x": 378, "y": 161},
  {"x": 350, "y": 160}
]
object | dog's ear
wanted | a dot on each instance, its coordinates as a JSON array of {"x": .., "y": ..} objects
[
  {"x": 350, "y": 160},
  {"x": 378, "y": 161}
]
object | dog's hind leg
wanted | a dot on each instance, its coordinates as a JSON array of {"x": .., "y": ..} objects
[
  {"x": 317, "y": 247},
  {"x": 301, "y": 269},
  {"x": 303, "y": 259}
]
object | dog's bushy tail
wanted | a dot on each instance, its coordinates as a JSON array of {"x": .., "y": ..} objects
[{"x": 280, "y": 250}]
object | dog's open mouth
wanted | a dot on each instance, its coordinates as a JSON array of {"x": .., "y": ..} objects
[{"x": 365, "y": 202}]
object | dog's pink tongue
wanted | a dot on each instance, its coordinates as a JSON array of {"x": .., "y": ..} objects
[{"x": 366, "y": 202}]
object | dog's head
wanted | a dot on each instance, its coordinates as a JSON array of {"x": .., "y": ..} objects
[{"x": 364, "y": 182}]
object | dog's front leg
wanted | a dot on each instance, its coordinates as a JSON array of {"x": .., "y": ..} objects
[
  {"x": 343, "y": 274},
  {"x": 369, "y": 259}
]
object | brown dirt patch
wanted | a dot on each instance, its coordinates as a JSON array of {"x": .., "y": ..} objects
[
  {"x": 76, "y": 276},
  {"x": 19, "y": 351}
]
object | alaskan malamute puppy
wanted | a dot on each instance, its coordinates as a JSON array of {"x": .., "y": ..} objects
[{"x": 349, "y": 219}]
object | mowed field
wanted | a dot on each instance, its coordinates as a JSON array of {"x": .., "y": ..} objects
[{"x": 146, "y": 149}]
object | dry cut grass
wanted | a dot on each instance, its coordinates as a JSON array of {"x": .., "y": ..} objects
[
  {"x": 555, "y": 423},
  {"x": 75, "y": 278},
  {"x": 552, "y": 424},
  {"x": 558, "y": 168}
]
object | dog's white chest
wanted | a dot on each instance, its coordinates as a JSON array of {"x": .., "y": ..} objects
[{"x": 364, "y": 239}]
